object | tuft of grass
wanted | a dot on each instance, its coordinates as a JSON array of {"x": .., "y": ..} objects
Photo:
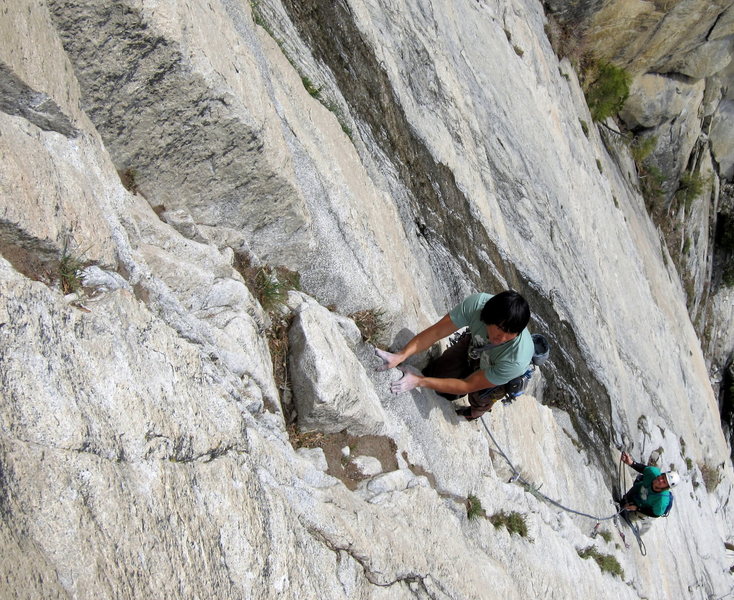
[
  {"x": 598, "y": 166},
  {"x": 584, "y": 127},
  {"x": 310, "y": 87},
  {"x": 474, "y": 508},
  {"x": 711, "y": 476},
  {"x": 607, "y": 89},
  {"x": 652, "y": 180},
  {"x": 642, "y": 147},
  {"x": 689, "y": 463},
  {"x": 70, "y": 266},
  {"x": 371, "y": 324},
  {"x": 606, "y": 535},
  {"x": 519, "y": 51},
  {"x": 606, "y": 562},
  {"x": 513, "y": 521},
  {"x": 690, "y": 187},
  {"x": 270, "y": 285}
]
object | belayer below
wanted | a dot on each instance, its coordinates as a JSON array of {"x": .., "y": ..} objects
[
  {"x": 650, "y": 494},
  {"x": 488, "y": 361}
]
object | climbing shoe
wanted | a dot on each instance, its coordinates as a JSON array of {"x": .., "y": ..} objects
[{"x": 466, "y": 413}]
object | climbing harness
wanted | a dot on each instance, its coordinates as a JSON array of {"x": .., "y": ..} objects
[{"x": 516, "y": 387}]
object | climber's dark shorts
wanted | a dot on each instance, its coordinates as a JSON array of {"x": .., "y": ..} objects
[{"x": 454, "y": 363}]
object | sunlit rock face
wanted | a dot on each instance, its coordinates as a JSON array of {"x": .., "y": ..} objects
[{"x": 160, "y": 158}]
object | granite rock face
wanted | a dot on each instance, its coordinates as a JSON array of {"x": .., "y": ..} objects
[
  {"x": 398, "y": 157},
  {"x": 655, "y": 98},
  {"x": 673, "y": 50}
]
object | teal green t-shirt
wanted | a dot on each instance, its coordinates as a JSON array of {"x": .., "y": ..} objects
[
  {"x": 643, "y": 496},
  {"x": 500, "y": 363}
]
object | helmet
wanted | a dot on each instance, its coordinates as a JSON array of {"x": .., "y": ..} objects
[{"x": 672, "y": 478}]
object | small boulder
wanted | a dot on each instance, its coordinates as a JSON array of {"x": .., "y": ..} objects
[{"x": 331, "y": 389}]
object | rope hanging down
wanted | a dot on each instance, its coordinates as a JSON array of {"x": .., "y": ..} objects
[
  {"x": 621, "y": 482},
  {"x": 535, "y": 491}
]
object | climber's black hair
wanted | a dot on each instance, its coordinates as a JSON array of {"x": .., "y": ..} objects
[{"x": 508, "y": 310}]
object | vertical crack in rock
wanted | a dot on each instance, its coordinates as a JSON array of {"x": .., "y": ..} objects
[
  {"x": 19, "y": 99},
  {"x": 435, "y": 199}
]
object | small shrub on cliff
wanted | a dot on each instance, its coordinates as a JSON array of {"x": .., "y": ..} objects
[
  {"x": 514, "y": 522},
  {"x": 269, "y": 285},
  {"x": 70, "y": 266},
  {"x": 606, "y": 535},
  {"x": 584, "y": 127},
  {"x": 651, "y": 180},
  {"x": 607, "y": 89},
  {"x": 711, "y": 476},
  {"x": 371, "y": 324},
  {"x": 127, "y": 178},
  {"x": 474, "y": 508},
  {"x": 690, "y": 187},
  {"x": 606, "y": 562},
  {"x": 310, "y": 87},
  {"x": 642, "y": 147}
]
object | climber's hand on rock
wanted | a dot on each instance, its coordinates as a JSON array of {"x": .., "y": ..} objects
[
  {"x": 410, "y": 380},
  {"x": 389, "y": 360}
]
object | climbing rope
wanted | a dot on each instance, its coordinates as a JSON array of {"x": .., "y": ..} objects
[
  {"x": 535, "y": 491},
  {"x": 621, "y": 482}
]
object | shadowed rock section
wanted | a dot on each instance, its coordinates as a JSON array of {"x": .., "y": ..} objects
[
  {"x": 19, "y": 99},
  {"x": 190, "y": 143}
]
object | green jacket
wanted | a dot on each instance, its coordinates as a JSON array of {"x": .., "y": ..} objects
[{"x": 641, "y": 494}]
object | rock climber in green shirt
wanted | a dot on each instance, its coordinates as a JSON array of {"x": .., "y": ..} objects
[
  {"x": 496, "y": 349},
  {"x": 650, "y": 494}
]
